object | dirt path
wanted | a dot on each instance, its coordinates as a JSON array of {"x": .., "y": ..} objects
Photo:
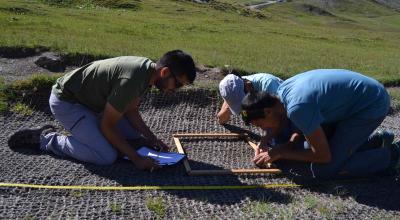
[{"x": 262, "y": 5}]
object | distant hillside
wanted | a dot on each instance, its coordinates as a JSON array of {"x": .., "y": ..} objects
[
  {"x": 338, "y": 3},
  {"x": 323, "y": 3},
  {"x": 391, "y": 3},
  {"x": 283, "y": 38},
  {"x": 131, "y": 4}
]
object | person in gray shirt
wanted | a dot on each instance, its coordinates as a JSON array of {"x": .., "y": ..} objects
[{"x": 99, "y": 105}]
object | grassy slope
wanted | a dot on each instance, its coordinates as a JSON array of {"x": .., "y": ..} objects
[{"x": 288, "y": 41}]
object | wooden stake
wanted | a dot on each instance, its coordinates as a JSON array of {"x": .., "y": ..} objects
[
  {"x": 254, "y": 146},
  {"x": 182, "y": 151}
]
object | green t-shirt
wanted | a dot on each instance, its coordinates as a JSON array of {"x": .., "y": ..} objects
[{"x": 117, "y": 80}]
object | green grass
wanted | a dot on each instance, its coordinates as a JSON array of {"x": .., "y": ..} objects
[
  {"x": 126, "y": 4},
  {"x": 395, "y": 98},
  {"x": 328, "y": 209},
  {"x": 310, "y": 202},
  {"x": 22, "y": 109},
  {"x": 77, "y": 193},
  {"x": 319, "y": 207},
  {"x": 287, "y": 41},
  {"x": 29, "y": 217},
  {"x": 157, "y": 206},
  {"x": 115, "y": 208},
  {"x": 243, "y": 2},
  {"x": 264, "y": 207},
  {"x": 37, "y": 84},
  {"x": 257, "y": 208}
]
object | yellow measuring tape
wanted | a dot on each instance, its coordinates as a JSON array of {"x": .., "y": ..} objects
[{"x": 130, "y": 188}]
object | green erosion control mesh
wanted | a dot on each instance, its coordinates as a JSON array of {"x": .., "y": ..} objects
[{"x": 183, "y": 112}]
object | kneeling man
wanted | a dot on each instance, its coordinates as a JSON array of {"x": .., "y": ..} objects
[{"x": 353, "y": 104}]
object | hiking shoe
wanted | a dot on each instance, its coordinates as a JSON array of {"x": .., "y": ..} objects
[
  {"x": 394, "y": 167},
  {"x": 29, "y": 137},
  {"x": 382, "y": 138}
]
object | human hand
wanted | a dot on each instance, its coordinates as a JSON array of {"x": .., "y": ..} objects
[
  {"x": 146, "y": 163},
  {"x": 264, "y": 158},
  {"x": 160, "y": 145},
  {"x": 223, "y": 117},
  {"x": 263, "y": 146},
  {"x": 260, "y": 149}
]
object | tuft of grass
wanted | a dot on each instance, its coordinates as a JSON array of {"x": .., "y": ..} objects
[
  {"x": 29, "y": 217},
  {"x": 328, "y": 209},
  {"x": 260, "y": 207},
  {"x": 157, "y": 206},
  {"x": 285, "y": 214},
  {"x": 22, "y": 109},
  {"x": 325, "y": 211},
  {"x": 77, "y": 193},
  {"x": 36, "y": 84},
  {"x": 310, "y": 202},
  {"x": 115, "y": 208}
]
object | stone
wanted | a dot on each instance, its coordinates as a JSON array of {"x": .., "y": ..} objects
[{"x": 51, "y": 61}]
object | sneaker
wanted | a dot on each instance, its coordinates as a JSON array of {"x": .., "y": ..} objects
[
  {"x": 383, "y": 138},
  {"x": 394, "y": 166},
  {"x": 29, "y": 137}
]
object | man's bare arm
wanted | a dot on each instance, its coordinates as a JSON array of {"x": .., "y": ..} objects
[
  {"x": 224, "y": 114},
  {"x": 136, "y": 120},
  {"x": 319, "y": 152},
  {"x": 108, "y": 127}
]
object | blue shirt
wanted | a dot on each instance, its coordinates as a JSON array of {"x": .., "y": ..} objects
[
  {"x": 264, "y": 82},
  {"x": 331, "y": 95}
]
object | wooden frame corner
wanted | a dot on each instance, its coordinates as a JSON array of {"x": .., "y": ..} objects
[{"x": 192, "y": 172}]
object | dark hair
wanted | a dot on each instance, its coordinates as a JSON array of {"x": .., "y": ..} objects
[
  {"x": 179, "y": 62},
  {"x": 253, "y": 105}
]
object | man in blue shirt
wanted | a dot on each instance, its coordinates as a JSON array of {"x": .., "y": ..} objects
[{"x": 354, "y": 104}]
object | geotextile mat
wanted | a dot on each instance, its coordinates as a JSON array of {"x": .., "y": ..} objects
[{"x": 188, "y": 111}]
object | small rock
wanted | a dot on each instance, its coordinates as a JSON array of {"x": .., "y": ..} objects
[{"x": 51, "y": 62}]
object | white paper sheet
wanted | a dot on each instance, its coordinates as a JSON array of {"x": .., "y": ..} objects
[{"x": 163, "y": 158}]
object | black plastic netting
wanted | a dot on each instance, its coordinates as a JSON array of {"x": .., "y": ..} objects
[{"x": 189, "y": 111}]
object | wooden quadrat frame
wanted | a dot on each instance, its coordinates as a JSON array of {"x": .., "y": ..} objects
[{"x": 223, "y": 171}]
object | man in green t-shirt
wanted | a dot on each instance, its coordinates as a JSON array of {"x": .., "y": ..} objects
[{"x": 99, "y": 105}]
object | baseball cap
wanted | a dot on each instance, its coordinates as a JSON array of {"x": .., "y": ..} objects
[{"x": 231, "y": 89}]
